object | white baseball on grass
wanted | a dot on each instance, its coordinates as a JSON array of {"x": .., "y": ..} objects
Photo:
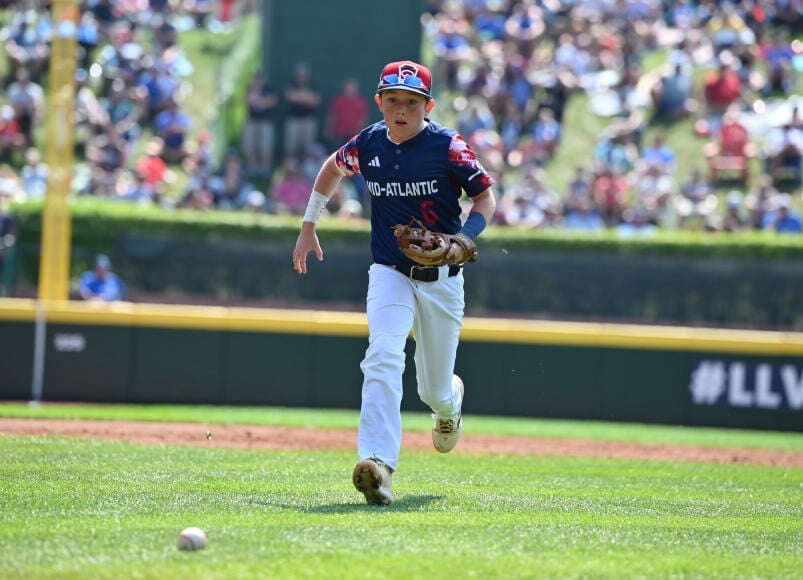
[{"x": 191, "y": 539}]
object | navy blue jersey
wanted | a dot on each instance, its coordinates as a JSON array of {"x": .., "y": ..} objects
[{"x": 422, "y": 178}]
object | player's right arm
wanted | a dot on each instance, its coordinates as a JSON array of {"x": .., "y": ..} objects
[{"x": 325, "y": 184}]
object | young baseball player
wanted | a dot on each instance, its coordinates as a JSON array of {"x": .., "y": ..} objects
[{"x": 415, "y": 169}]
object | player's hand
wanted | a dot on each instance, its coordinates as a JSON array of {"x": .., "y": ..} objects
[{"x": 307, "y": 242}]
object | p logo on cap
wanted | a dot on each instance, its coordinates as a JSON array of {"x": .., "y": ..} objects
[{"x": 406, "y": 75}]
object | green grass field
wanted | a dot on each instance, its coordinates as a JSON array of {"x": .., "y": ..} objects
[{"x": 90, "y": 509}]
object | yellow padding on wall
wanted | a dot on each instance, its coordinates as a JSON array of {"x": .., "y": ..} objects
[{"x": 330, "y": 323}]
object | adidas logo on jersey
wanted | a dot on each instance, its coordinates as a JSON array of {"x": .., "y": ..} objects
[{"x": 374, "y": 162}]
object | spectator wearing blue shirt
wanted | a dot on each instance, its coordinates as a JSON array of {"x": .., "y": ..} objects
[
  {"x": 783, "y": 219},
  {"x": 100, "y": 283},
  {"x": 173, "y": 125},
  {"x": 660, "y": 154}
]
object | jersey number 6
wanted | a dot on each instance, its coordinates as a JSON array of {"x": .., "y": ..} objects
[{"x": 429, "y": 215}]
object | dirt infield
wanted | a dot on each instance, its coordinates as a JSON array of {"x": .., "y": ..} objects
[{"x": 268, "y": 437}]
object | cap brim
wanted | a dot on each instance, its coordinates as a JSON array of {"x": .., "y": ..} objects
[{"x": 404, "y": 88}]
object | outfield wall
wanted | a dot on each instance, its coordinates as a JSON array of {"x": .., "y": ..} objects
[{"x": 150, "y": 353}]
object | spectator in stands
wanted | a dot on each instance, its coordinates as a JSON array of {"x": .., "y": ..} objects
[
  {"x": 200, "y": 195},
  {"x": 782, "y": 218},
  {"x": 721, "y": 89},
  {"x": 555, "y": 95},
  {"x": 27, "y": 47},
  {"x": 726, "y": 27},
  {"x": 530, "y": 203},
  {"x": 347, "y": 114},
  {"x": 731, "y": 150},
  {"x": 524, "y": 212},
  {"x": 519, "y": 89},
  {"x": 627, "y": 89},
  {"x": 227, "y": 9},
  {"x": 88, "y": 37},
  {"x": 452, "y": 50},
  {"x": 151, "y": 93},
  {"x": 107, "y": 156},
  {"x": 610, "y": 192},
  {"x": 28, "y": 100},
  {"x": 697, "y": 198},
  {"x": 122, "y": 112},
  {"x": 89, "y": 115},
  {"x": 747, "y": 59},
  {"x": 34, "y": 175},
  {"x": 653, "y": 187},
  {"x": 255, "y": 201},
  {"x": 787, "y": 14},
  {"x": 11, "y": 138},
  {"x": 200, "y": 154},
  {"x": 259, "y": 131},
  {"x": 488, "y": 23},
  {"x": 313, "y": 160},
  {"x": 760, "y": 200},
  {"x": 133, "y": 187},
  {"x": 546, "y": 136},
  {"x": 351, "y": 211},
  {"x": 164, "y": 78},
  {"x": 517, "y": 146},
  {"x": 570, "y": 56},
  {"x": 732, "y": 219},
  {"x": 673, "y": 95},
  {"x": 489, "y": 148},
  {"x": 303, "y": 103},
  {"x": 172, "y": 126},
  {"x": 165, "y": 36},
  {"x": 578, "y": 191},
  {"x": 584, "y": 217},
  {"x": 784, "y": 152},
  {"x": 616, "y": 149},
  {"x": 231, "y": 188},
  {"x": 659, "y": 153},
  {"x": 473, "y": 115},
  {"x": 10, "y": 186},
  {"x": 525, "y": 26},
  {"x": 201, "y": 11},
  {"x": 152, "y": 168},
  {"x": 290, "y": 191},
  {"x": 120, "y": 56},
  {"x": 636, "y": 223},
  {"x": 101, "y": 284},
  {"x": 104, "y": 12}
]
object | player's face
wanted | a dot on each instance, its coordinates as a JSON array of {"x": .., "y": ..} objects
[{"x": 404, "y": 113}]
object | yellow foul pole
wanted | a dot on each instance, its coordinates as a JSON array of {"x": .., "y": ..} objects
[{"x": 54, "y": 264}]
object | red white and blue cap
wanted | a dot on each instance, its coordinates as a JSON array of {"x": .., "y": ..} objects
[{"x": 406, "y": 75}]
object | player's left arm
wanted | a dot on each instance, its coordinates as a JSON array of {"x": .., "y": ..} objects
[
  {"x": 485, "y": 204},
  {"x": 481, "y": 214}
]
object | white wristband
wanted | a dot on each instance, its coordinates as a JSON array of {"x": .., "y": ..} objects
[{"x": 317, "y": 202}]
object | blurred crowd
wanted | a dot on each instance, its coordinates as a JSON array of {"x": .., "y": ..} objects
[
  {"x": 132, "y": 129},
  {"x": 731, "y": 70},
  {"x": 505, "y": 70}
]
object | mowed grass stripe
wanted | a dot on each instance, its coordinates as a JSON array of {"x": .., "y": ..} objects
[
  {"x": 81, "y": 508},
  {"x": 415, "y": 421}
]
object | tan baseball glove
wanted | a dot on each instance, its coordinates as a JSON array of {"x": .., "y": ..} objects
[{"x": 428, "y": 248}]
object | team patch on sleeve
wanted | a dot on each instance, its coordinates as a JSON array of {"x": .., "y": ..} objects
[
  {"x": 462, "y": 156},
  {"x": 347, "y": 158}
]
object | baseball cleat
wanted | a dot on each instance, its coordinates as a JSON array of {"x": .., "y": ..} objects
[
  {"x": 373, "y": 479},
  {"x": 446, "y": 430}
]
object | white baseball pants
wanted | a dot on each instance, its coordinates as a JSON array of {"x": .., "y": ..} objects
[{"x": 434, "y": 312}]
